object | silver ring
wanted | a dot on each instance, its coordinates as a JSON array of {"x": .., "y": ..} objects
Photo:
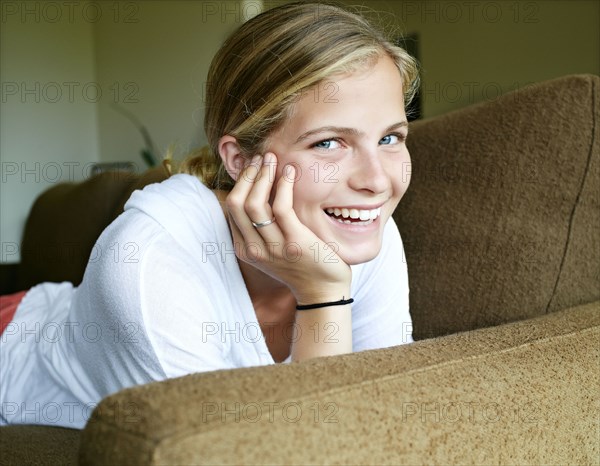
[{"x": 263, "y": 224}]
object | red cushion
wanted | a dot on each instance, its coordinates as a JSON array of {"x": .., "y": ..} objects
[{"x": 8, "y": 307}]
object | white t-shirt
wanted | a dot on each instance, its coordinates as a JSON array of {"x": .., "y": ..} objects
[{"x": 163, "y": 296}]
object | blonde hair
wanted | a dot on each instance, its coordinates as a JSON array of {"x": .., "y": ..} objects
[{"x": 266, "y": 65}]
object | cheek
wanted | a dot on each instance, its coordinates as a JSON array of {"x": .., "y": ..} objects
[{"x": 309, "y": 190}]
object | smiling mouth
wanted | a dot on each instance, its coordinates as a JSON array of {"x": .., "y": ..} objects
[{"x": 353, "y": 216}]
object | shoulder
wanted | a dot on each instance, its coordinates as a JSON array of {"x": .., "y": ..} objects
[
  {"x": 185, "y": 208},
  {"x": 180, "y": 192}
]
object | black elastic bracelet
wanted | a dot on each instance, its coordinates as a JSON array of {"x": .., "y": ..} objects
[{"x": 341, "y": 302}]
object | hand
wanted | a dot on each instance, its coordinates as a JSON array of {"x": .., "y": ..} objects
[{"x": 286, "y": 249}]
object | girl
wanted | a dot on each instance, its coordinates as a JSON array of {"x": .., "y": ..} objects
[{"x": 273, "y": 244}]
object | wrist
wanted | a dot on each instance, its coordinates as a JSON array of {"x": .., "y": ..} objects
[
  {"x": 323, "y": 296},
  {"x": 340, "y": 302}
]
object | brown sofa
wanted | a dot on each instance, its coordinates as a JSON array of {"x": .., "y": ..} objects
[{"x": 500, "y": 226}]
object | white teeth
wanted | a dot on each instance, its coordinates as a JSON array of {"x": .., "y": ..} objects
[{"x": 356, "y": 214}]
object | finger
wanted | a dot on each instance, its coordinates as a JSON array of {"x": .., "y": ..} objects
[
  {"x": 236, "y": 200},
  {"x": 246, "y": 179},
  {"x": 249, "y": 202},
  {"x": 283, "y": 205},
  {"x": 257, "y": 203}
]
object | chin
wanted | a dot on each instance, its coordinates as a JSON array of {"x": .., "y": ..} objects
[
  {"x": 357, "y": 256},
  {"x": 354, "y": 252}
]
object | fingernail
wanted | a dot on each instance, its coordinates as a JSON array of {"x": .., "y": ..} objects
[
  {"x": 268, "y": 158},
  {"x": 256, "y": 159}
]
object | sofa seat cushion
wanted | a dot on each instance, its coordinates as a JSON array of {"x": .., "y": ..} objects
[{"x": 38, "y": 445}]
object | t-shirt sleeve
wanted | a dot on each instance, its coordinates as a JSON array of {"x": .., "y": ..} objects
[
  {"x": 180, "y": 298},
  {"x": 380, "y": 313}
]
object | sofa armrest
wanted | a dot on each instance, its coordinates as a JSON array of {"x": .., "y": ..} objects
[{"x": 518, "y": 393}]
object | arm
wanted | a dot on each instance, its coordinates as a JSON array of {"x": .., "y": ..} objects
[{"x": 324, "y": 331}]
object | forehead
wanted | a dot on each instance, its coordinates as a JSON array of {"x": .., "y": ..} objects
[{"x": 367, "y": 95}]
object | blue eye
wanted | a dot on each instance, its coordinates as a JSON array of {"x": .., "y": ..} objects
[
  {"x": 388, "y": 140},
  {"x": 327, "y": 144},
  {"x": 334, "y": 143}
]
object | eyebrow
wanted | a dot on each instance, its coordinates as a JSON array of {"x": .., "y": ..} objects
[{"x": 344, "y": 130}]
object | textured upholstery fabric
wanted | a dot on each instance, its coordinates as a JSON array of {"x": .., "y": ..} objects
[
  {"x": 501, "y": 219},
  {"x": 35, "y": 445},
  {"x": 579, "y": 278},
  {"x": 521, "y": 393}
]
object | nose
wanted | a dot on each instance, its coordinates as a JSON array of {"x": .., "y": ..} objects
[{"x": 369, "y": 173}]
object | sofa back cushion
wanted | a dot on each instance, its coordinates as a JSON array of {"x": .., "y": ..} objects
[
  {"x": 65, "y": 221},
  {"x": 500, "y": 221}
]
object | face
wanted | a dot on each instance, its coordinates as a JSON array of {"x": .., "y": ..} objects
[{"x": 347, "y": 141}]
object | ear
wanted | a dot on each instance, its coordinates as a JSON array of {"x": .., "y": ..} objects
[{"x": 233, "y": 160}]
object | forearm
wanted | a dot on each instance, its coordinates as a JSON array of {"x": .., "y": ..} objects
[{"x": 324, "y": 331}]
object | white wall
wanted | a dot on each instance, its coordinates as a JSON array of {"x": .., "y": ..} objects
[
  {"x": 474, "y": 51},
  {"x": 48, "y": 130},
  {"x": 159, "y": 60}
]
